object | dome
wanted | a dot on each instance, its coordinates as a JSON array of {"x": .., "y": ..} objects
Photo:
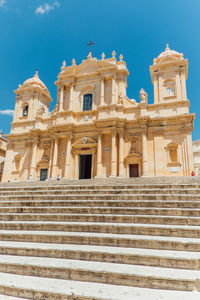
[
  {"x": 168, "y": 53},
  {"x": 35, "y": 82}
]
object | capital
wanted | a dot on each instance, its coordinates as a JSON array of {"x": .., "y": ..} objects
[
  {"x": 113, "y": 132},
  {"x": 186, "y": 129},
  {"x": 143, "y": 130},
  {"x": 69, "y": 137},
  {"x": 99, "y": 133}
]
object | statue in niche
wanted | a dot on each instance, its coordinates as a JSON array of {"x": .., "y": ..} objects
[
  {"x": 143, "y": 96},
  {"x": 120, "y": 99}
]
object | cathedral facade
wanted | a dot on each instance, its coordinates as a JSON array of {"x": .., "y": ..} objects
[{"x": 95, "y": 130}]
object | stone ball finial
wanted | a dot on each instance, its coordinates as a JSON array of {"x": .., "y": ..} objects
[
  {"x": 113, "y": 54},
  {"x": 73, "y": 61},
  {"x": 103, "y": 56},
  {"x": 121, "y": 57}
]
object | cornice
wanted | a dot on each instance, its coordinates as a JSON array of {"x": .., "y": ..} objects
[{"x": 168, "y": 103}]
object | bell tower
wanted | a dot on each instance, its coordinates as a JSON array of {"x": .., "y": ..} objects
[
  {"x": 169, "y": 75},
  {"x": 32, "y": 100}
]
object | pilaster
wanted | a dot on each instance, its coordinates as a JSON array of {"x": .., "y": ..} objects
[
  {"x": 121, "y": 154},
  {"x": 113, "y": 99},
  {"x": 68, "y": 157},
  {"x": 99, "y": 156},
  {"x": 144, "y": 152},
  {"x": 33, "y": 159},
  {"x": 55, "y": 158},
  {"x": 113, "y": 155},
  {"x": 102, "y": 92},
  {"x": 61, "y": 97},
  {"x": 71, "y": 92}
]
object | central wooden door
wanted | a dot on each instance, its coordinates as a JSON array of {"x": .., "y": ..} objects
[
  {"x": 43, "y": 174},
  {"x": 134, "y": 170},
  {"x": 85, "y": 166}
]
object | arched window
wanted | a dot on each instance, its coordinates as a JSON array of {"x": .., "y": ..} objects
[
  {"x": 25, "y": 111},
  {"x": 170, "y": 91},
  {"x": 169, "y": 86},
  {"x": 87, "y": 102}
]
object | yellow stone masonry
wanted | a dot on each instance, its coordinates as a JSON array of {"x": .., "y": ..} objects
[{"x": 95, "y": 130}]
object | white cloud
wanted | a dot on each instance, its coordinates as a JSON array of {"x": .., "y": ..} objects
[
  {"x": 2, "y": 3},
  {"x": 45, "y": 8},
  {"x": 7, "y": 112}
]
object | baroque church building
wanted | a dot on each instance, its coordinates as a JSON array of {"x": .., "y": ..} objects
[{"x": 95, "y": 130}]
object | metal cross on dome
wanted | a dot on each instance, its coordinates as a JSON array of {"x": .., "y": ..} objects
[{"x": 90, "y": 44}]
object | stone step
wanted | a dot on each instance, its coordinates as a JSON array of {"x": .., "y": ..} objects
[
  {"x": 30, "y": 287},
  {"x": 90, "y": 271},
  {"x": 100, "y": 210},
  {"x": 4, "y": 297},
  {"x": 142, "y": 219},
  {"x": 105, "y": 184},
  {"x": 106, "y": 203},
  {"x": 144, "y": 191},
  {"x": 135, "y": 256},
  {"x": 122, "y": 228},
  {"x": 101, "y": 197},
  {"x": 103, "y": 239}
]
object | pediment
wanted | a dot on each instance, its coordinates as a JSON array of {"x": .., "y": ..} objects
[
  {"x": 92, "y": 66},
  {"x": 87, "y": 67},
  {"x": 84, "y": 141},
  {"x": 133, "y": 158}
]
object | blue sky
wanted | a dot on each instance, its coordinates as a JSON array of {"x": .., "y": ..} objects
[{"x": 41, "y": 34}]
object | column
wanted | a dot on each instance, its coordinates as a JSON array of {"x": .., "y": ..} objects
[
  {"x": 76, "y": 169},
  {"x": 55, "y": 158},
  {"x": 160, "y": 89},
  {"x": 99, "y": 156},
  {"x": 61, "y": 97},
  {"x": 144, "y": 153},
  {"x": 71, "y": 96},
  {"x": 183, "y": 153},
  {"x": 190, "y": 148},
  {"x": 102, "y": 92},
  {"x": 8, "y": 163},
  {"x": 68, "y": 157},
  {"x": 178, "y": 86},
  {"x": 33, "y": 160},
  {"x": 113, "y": 91},
  {"x": 113, "y": 155},
  {"x": 50, "y": 159},
  {"x": 155, "y": 84},
  {"x": 183, "y": 85},
  {"x": 121, "y": 154}
]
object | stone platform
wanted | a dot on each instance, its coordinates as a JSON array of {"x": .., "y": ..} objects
[{"x": 119, "y": 239}]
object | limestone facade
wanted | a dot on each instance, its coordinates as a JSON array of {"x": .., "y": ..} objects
[
  {"x": 196, "y": 153},
  {"x": 3, "y": 144},
  {"x": 95, "y": 130}
]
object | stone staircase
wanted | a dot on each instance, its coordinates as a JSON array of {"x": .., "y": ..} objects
[{"x": 101, "y": 239}]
